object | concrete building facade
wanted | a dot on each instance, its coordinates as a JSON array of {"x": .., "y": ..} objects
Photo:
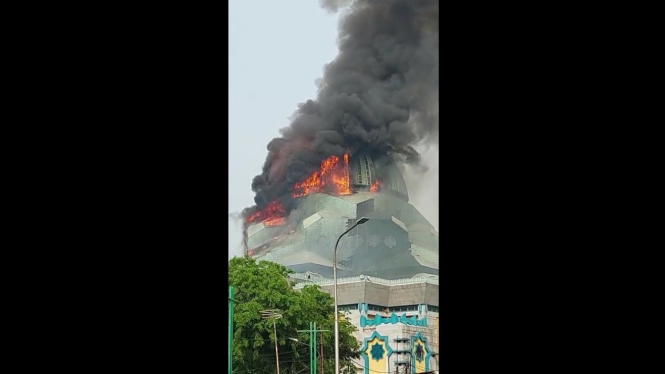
[{"x": 397, "y": 320}]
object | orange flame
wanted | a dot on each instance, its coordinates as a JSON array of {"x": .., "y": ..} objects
[
  {"x": 274, "y": 221},
  {"x": 272, "y": 215},
  {"x": 333, "y": 176},
  {"x": 375, "y": 186}
]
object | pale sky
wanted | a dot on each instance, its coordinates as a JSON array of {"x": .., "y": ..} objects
[{"x": 277, "y": 50}]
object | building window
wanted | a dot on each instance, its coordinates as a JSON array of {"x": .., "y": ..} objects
[
  {"x": 373, "y": 307},
  {"x": 406, "y": 308}
]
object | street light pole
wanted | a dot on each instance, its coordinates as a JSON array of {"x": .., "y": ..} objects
[
  {"x": 360, "y": 222},
  {"x": 273, "y": 315}
]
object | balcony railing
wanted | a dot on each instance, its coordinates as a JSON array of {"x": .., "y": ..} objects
[{"x": 388, "y": 282}]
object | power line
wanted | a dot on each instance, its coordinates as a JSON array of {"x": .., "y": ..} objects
[
  {"x": 251, "y": 340},
  {"x": 285, "y": 353}
]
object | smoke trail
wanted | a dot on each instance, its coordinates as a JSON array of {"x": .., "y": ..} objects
[
  {"x": 422, "y": 180},
  {"x": 235, "y": 245},
  {"x": 423, "y": 184},
  {"x": 376, "y": 95}
]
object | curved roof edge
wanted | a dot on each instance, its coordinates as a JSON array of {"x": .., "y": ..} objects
[{"x": 312, "y": 279}]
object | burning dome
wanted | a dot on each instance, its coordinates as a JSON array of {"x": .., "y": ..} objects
[
  {"x": 397, "y": 241},
  {"x": 365, "y": 175}
]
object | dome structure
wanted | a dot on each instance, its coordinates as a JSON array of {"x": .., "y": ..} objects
[
  {"x": 397, "y": 241},
  {"x": 364, "y": 173}
]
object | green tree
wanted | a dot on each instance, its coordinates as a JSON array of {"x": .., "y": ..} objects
[{"x": 263, "y": 285}]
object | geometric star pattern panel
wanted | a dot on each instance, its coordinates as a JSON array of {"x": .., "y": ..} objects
[
  {"x": 421, "y": 353},
  {"x": 375, "y": 352}
]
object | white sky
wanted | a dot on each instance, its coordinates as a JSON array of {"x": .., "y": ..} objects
[{"x": 277, "y": 50}]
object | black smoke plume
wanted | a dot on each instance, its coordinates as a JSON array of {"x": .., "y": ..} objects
[{"x": 376, "y": 95}]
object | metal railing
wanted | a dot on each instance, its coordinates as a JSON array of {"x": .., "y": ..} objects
[{"x": 388, "y": 282}]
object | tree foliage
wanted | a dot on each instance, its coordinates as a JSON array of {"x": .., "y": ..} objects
[{"x": 262, "y": 286}]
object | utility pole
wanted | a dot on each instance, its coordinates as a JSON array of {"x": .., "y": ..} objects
[
  {"x": 312, "y": 346},
  {"x": 322, "y": 369},
  {"x": 230, "y": 328},
  {"x": 272, "y": 314}
]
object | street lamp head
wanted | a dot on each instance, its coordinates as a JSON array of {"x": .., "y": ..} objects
[
  {"x": 298, "y": 341},
  {"x": 363, "y": 220}
]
